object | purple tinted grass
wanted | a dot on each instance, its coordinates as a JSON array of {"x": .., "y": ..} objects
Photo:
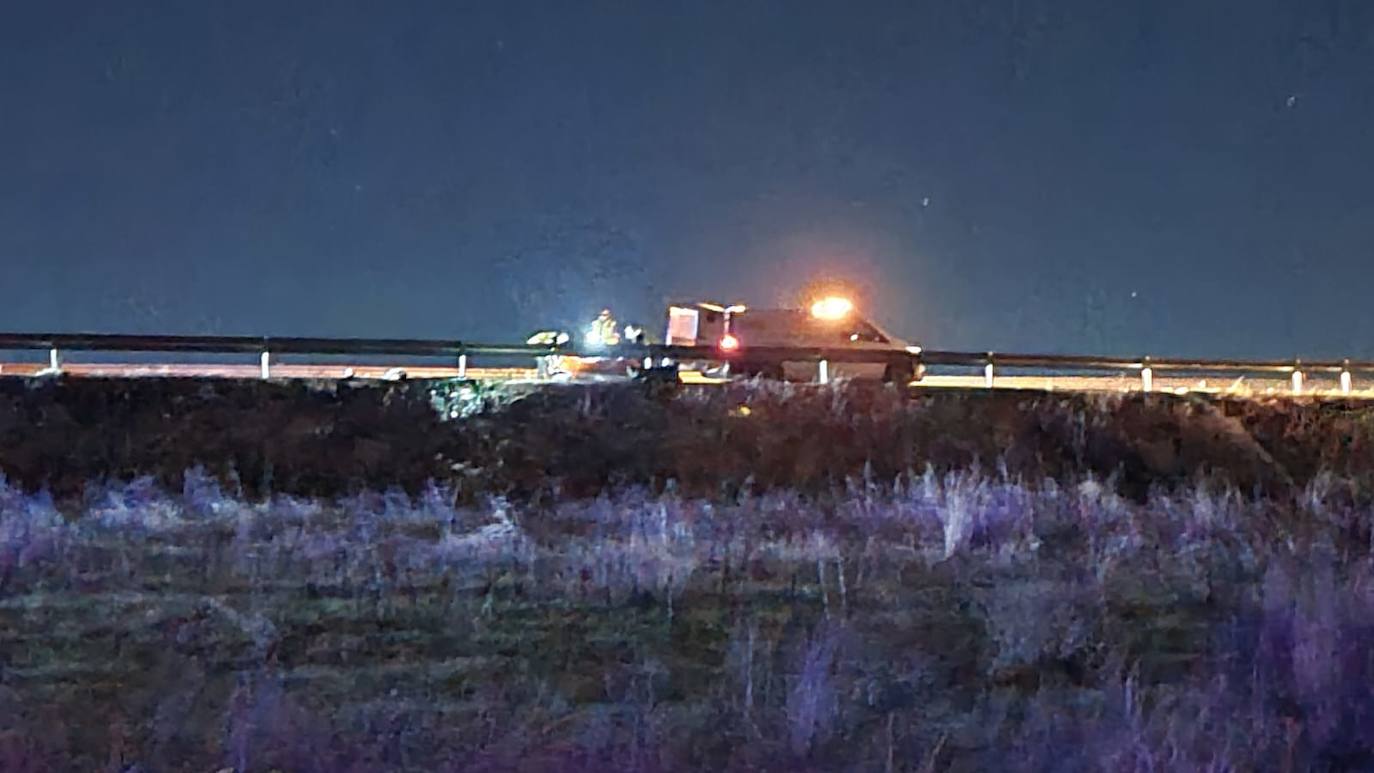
[{"x": 1280, "y": 632}]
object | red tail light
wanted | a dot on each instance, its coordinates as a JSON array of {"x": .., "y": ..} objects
[{"x": 728, "y": 343}]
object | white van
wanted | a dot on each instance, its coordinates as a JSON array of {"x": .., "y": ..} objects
[{"x": 741, "y": 335}]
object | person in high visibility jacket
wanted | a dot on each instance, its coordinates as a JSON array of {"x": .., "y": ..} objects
[{"x": 602, "y": 332}]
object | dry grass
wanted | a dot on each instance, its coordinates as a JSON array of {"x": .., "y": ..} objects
[
  {"x": 832, "y": 579},
  {"x": 948, "y": 622}
]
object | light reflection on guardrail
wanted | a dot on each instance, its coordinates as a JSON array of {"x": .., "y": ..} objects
[{"x": 992, "y": 368}]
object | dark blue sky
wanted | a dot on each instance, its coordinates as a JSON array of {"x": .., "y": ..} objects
[{"x": 999, "y": 173}]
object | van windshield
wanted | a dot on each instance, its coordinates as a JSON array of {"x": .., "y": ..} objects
[{"x": 862, "y": 332}]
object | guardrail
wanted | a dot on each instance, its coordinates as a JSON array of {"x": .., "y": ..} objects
[
  {"x": 990, "y": 363},
  {"x": 1296, "y": 370},
  {"x": 265, "y": 347}
]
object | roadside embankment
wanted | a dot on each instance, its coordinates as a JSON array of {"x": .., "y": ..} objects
[{"x": 333, "y": 438}]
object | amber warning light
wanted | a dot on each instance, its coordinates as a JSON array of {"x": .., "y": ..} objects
[{"x": 831, "y": 308}]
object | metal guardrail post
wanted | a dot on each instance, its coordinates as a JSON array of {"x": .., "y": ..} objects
[
  {"x": 989, "y": 373},
  {"x": 1347, "y": 383},
  {"x": 265, "y": 365},
  {"x": 1147, "y": 376},
  {"x": 1297, "y": 377},
  {"x": 823, "y": 371},
  {"x": 462, "y": 366},
  {"x": 55, "y": 360}
]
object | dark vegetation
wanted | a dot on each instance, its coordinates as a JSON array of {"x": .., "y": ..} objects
[
  {"x": 258, "y": 577},
  {"x": 327, "y": 440}
]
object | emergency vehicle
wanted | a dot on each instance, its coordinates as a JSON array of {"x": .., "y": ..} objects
[{"x": 747, "y": 342}]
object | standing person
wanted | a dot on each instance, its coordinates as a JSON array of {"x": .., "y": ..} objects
[{"x": 602, "y": 332}]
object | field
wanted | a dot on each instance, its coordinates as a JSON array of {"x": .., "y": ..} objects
[{"x": 200, "y": 576}]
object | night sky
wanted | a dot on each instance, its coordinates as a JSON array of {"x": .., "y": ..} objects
[{"x": 1135, "y": 176}]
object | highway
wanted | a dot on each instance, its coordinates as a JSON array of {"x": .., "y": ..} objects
[
  {"x": 1327, "y": 388},
  {"x": 249, "y": 371},
  {"x": 1240, "y": 387}
]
